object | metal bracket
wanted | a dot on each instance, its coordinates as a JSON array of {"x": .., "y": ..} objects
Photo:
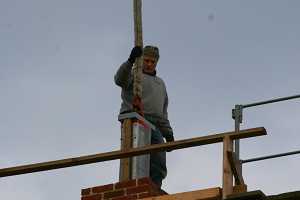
[
  {"x": 134, "y": 115},
  {"x": 139, "y": 136},
  {"x": 237, "y": 113}
]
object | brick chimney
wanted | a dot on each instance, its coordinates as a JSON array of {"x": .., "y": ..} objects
[{"x": 126, "y": 190}]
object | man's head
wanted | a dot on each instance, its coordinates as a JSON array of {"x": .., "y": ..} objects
[{"x": 151, "y": 56}]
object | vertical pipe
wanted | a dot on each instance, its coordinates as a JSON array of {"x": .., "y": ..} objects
[
  {"x": 237, "y": 120},
  {"x": 237, "y": 142}
]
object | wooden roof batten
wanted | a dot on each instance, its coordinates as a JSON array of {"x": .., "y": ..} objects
[
  {"x": 228, "y": 166},
  {"x": 113, "y": 155}
]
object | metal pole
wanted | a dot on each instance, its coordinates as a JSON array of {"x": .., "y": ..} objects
[
  {"x": 238, "y": 117},
  {"x": 271, "y": 101},
  {"x": 237, "y": 142},
  {"x": 237, "y": 120},
  {"x": 270, "y": 157}
]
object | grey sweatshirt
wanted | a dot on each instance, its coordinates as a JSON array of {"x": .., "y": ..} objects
[{"x": 154, "y": 97}]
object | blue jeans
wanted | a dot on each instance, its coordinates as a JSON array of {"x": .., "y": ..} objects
[{"x": 158, "y": 168}]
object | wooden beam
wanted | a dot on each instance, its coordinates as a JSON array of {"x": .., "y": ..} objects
[
  {"x": 126, "y": 144},
  {"x": 206, "y": 194},
  {"x": 227, "y": 172},
  {"x": 180, "y": 144},
  {"x": 138, "y": 41},
  {"x": 235, "y": 165},
  {"x": 239, "y": 189}
]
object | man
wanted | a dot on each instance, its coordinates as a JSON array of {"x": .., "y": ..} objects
[{"x": 155, "y": 103}]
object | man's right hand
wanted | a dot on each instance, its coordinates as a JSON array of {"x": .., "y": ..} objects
[
  {"x": 170, "y": 138},
  {"x": 136, "y": 52}
]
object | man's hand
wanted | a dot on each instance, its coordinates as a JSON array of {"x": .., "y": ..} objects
[
  {"x": 169, "y": 138},
  {"x": 136, "y": 52},
  {"x": 138, "y": 105}
]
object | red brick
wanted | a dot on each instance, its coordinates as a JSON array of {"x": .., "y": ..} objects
[
  {"x": 86, "y": 191},
  {"x": 130, "y": 197},
  {"x": 92, "y": 197},
  {"x": 139, "y": 189},
  {"x": 144, "y": 195},
  {"x": 116, "y": 193},
  {"x": 103, "y": 188},
  {"x": 152, "y": 185},
  {"x": 125, "y": 184},
  {"x": 145, "y": 181}
]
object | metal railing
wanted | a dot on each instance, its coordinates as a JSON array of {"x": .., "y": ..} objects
[
  {"x": 270, "y": 156},
  {"x": 237, "y": 115}
]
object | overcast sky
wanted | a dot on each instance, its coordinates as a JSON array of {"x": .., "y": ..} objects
[{"x": 58, "y": 98}]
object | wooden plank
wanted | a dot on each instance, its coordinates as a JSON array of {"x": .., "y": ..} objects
[
  {"x": 227, "y": 172},
  {"x": 82, "y": 160},
  {"x": 235, "y": 168},
  {"x": 239, "y": 189},
  {"x": 126, "y": 144},
  {"x": 253, "y": 195},
  {"x": 206, "y": 194},
  {"x": 138, "y": 41}
]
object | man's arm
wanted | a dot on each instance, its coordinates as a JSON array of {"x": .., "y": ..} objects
[
  {"x": 123, "y": 76},
  {"x": 164, "y": 124}
]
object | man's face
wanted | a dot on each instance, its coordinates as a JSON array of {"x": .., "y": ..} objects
[{"x": 149, "y": 64}]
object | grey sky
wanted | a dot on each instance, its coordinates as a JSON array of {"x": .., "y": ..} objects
[{"x": 58, "y": 98}]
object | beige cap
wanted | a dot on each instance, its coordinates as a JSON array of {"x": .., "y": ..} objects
[{"x": 151, "y": 51}]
